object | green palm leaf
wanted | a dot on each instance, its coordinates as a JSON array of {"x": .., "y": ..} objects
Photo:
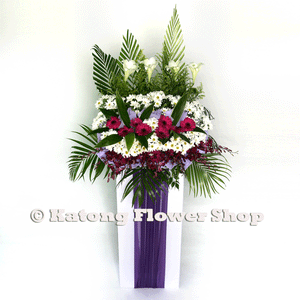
[
  {"x": 130, "y": 48},
  {"x": 131, "y": 51},
  {"x": 105, "y": 68},
  {"x": 203, "y": 178},
  {"x": 84, "y": 157},
  {"x": 173, "y": 39}
]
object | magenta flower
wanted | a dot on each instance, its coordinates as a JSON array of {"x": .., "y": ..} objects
[
  {"x": 162, "y": 132},
  {"x": 135, "y": 122},
  {"x": 165, "y": 122},
  {"x": 143, "y": 129},
  {"x": 124, "y": 131},
  {"x": 113, "y": 123},
  {"x": 188, "y": 124},
  {"x": 176, "y": 129}
]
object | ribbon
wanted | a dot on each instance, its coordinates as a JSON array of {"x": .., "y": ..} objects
[{"x": 150, "y": 243}]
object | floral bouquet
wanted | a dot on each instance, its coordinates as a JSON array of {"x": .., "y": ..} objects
[{"x": 150, "y": 128}]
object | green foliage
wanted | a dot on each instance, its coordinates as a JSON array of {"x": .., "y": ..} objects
[
  {"x": 203, "y": 178},
  {"x": 109, "y": 140},
  {"x": 129, "y": 139},
  {"x": 122, "y": 110},
  {"x": 144, "y": 180},
  {"x": 173, "y": 43},
  {"x": 178, "y": 110},
  {"x": 170, "y": 82},
  {"x": 142, "y": 140},
  {"x": 197, "y": 129},
  {"x": 131, "y": 51},
  {"x": 83, "y": 157},
  {"x": 105, "y": 69},
  {"x": 99, "y": 130},
  {"x": 147, "y": 112},
  {"x": 130, "y": 48},
  {"x": 109, "y": 112},
  {"x": 141, "y": 84},
  {"x": 109, "y": 73}
]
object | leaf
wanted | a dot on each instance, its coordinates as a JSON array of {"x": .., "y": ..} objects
[
  {"x": 144, "y": 182},
  {"x": 147, "y": 112},
  {"x": 99, "y": 170},
  {"x": 129, "y": 139},
  {"x": 173, "y": 39},
  {"x": 87, "y": 130},
  {"x": 109, "y": 140},
  {"x": 122, "y": 110},
  {"x": 108, "y": 113},
  {"x": 178, "y": 110},
  {"x": 131, "y": 51},
  {"x": 130, "y": 48},
  {"x": 105, "y": 68},
  {"x": 94, "y": 162},
  {"x": 83, "y": 144},
  {"x": 182, "y": 136},
  {"x": 84, "y": 157},
  {"x": 203, "y": 178},
  {"x": 142, "y": 140},
  {"x": 197, "y": 129},
  {"x": 84, "y": 136},
  {"x": 98, "y": 130}
]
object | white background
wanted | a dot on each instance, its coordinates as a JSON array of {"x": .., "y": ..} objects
[{"x": 251, "y": 79}]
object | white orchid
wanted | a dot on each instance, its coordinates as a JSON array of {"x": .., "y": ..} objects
[
  {"x": 174, "y": 65},
  {"x": 129, "y": 67},
  {"x": 150, "y": 65},
  {"x": 195, "y": 68}
]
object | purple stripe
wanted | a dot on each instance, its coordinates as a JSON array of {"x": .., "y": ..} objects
[{"x": 150, "y": 244}]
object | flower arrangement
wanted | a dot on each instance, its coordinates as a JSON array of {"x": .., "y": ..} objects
[{"x": 151, "y": 125}]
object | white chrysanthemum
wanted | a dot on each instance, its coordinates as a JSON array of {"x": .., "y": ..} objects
[
  {"x": 207, "y": 124},
  {"x": 177, "y": 148},
  {"x": 173, "y": 99},
  {"x": 152, "y": 122},
  {"x": 134, "y": 104},
  {"x": 111, "y": 104},
  {"x": 157, "y": 98},
  {"x": 190, "y": 108},
  {"x": 98, "y": 103},
  {"x": 199, "y": 137},
  {"x": 153, "y": 138},
  {"x": 185, "y": 147},
  {"x": 145, "y": 101},
  {"x": 172, "y": 145},
  {"x": 95, "y": 124},
  {"x": 197, "y": 115},
  {"x": 152, "y": 147},
  {"x": 158, "y": 95},
  {"x": 98, "y": 121},
  {"x": 130, "y": 98},
  {"x": 139, "y": 98},
  {"x": 107, "y": 133}
]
